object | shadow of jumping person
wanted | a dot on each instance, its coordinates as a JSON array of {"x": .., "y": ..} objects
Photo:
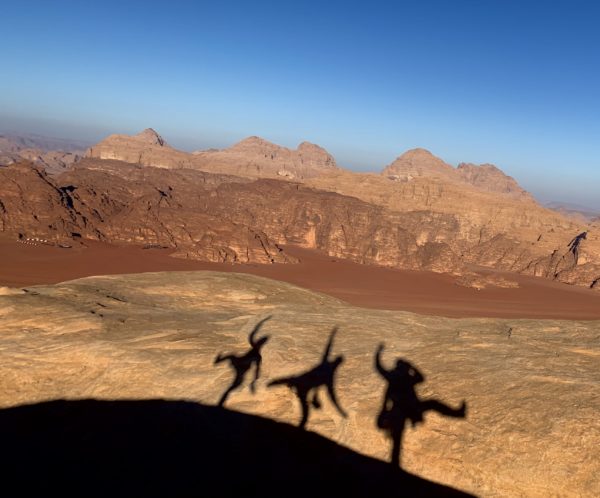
[
  {"x": 308, "y": 383},
  {"x": 401, "y": 402},
  {"x": 241, "y": 364}
]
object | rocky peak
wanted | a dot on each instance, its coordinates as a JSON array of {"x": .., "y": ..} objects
[
  {"x": 151, "y": 137},
  {"x": 489, "y": 177},
  {"x": 312, "y": 152},
  {"x": 254, "y": 143},
  {"x": 418, "y": 162}
]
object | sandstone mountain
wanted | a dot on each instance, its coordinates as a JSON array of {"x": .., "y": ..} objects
[
  {"x": 419, "y": 163},
  {"x": 252, "y": 157},
  {"x": 495, "y": 230},
  {"x": 155, "y": 336},
  {"x": 227, "y": 218},
  {"x": 146, "y": 148},
  {"x": 255, "y": 156}
]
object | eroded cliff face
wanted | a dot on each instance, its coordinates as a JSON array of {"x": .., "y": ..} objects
[
  {"x": 226, "y": 218},
  {"x": 492, "y": 229},
  {"x": 98, "y": 205},
  {"x": 168, "y": 208}
]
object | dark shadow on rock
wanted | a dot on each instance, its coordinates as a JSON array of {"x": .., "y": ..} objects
[
  {"x": 177, "y": 448},
  {"x": 307, "y": 384},
  {"x": 401, "y": 403},
  {"x": 243, "y": 363}
]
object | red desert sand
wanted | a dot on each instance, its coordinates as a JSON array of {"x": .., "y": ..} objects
[{"x": 360, "y": 285}]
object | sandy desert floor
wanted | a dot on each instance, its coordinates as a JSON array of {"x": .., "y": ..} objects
[{"x": 360, "y": 285}]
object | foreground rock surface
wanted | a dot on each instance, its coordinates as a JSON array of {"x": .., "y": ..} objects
[{"x": 532, "y": 425}]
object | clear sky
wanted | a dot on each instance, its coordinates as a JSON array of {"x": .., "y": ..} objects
[{"x": 514, "y": 83}]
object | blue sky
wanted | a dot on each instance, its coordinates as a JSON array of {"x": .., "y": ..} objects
[{"x": 513, "y": 83}]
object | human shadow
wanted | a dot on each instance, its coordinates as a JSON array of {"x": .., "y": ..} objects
[
  {"x": 159, "y": 448},
  {"x": 308, "y": 383},
  {"x": 243, "y": 363},
  {"x": 401, "y": 403}
]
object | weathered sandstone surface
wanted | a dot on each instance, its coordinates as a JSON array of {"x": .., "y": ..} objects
[
  {"x": 252, "y": 157},
  {"x": 532, "y": 425}
]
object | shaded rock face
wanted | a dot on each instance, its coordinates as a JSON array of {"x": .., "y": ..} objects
[
  {"x": 226, "y": 218},
  {"x": 563, "y": 264},
  {"x": 151, "y": 137},
  {"x": 98, "y": 205},
  {"x": 418, "y": 163},
  {"x": 532, "y": 425},
  {"x": 499, "y": 231},
  {"x": 30, "y": 202},
  {"x": 252, "y": 157}
]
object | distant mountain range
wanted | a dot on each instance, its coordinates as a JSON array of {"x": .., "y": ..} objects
[
  {"x": 572, "y": 209},
  {"x": 53, "y": 154},
  {"x": 243, "y": 203}
]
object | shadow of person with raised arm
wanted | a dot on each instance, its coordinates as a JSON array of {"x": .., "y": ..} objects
[
  {"x": 401, "y": 402},
  {"x": 307, "y": 384},
  {"x": 241, "y": 364}
]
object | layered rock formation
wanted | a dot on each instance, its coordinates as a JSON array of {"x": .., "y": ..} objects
[
  {"x": 507, "y": 231},
  {"x": 219, "y": 218},
  {"x": 133, "y": 208},
  {"x": 226, "y": 218},
  {"x": 252, "y": 157},
  {"x": 154, "y": 336}
]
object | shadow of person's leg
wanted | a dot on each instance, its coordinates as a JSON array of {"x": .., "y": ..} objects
[
  {"x": 442, "y": 408},
  {"x": 303, "y": 398},
  {"x": 237, "y": 382},
  {"x": 396, "y": 434}
]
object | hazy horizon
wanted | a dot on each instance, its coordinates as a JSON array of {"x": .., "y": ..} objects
[{"x": 512, "y": 84}]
